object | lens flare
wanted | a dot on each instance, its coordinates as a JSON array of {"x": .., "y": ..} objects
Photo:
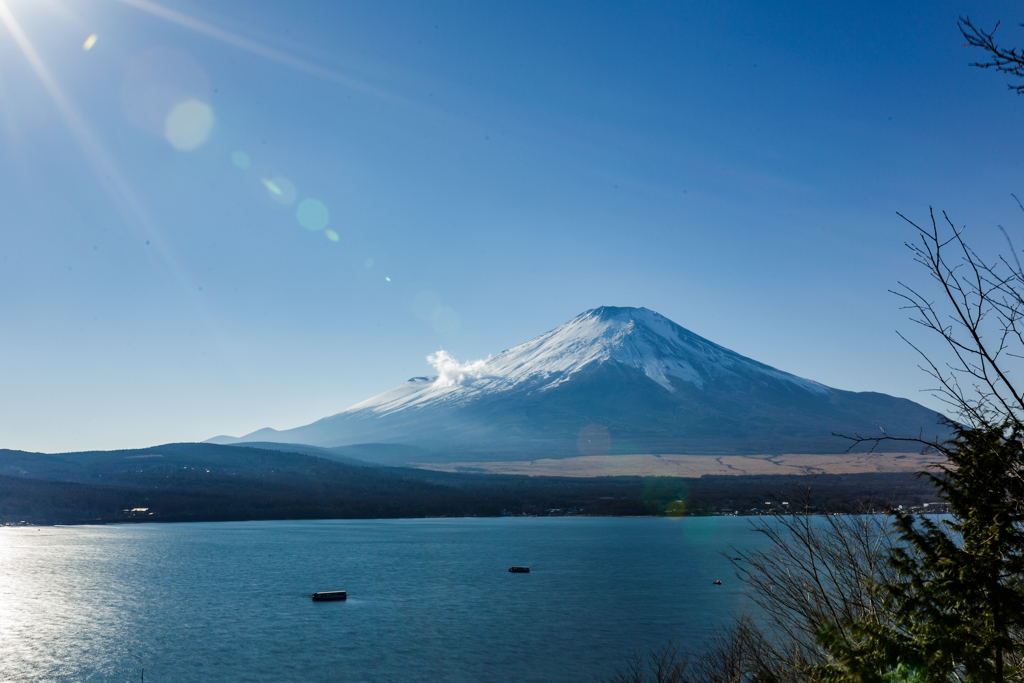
[
  {"x": 188, "y": 125},
  {"x": 280, "y": 189},
  {"x": 331, "y": 235},
  {"x": 89, "y": 42},
  {"x": 159, "y": 80},
  {"x": 594, "y": 440},
  {"x": 312, "y": 214},
  {"x": 676, "y": 508},
  {"x": 445, "y": 321},
  {"x": 368, "y": 262},
  {"x": 425, "y": 305},
  {"x": 240, "y": 159},
  {"x": 108, "y": 173}
]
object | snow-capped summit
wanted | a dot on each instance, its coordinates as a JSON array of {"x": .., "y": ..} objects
[
  {"x": 652, "y": 385},
  {"x": 636, "y": 338}
]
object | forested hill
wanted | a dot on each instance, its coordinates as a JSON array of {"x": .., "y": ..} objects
[
  {"x": 207, "y": 482},
  {"x": 201, "y": 482}
]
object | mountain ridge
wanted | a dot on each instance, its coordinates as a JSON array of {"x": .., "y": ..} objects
[
  {"x": 643, "y": 383},
  {"x": 602, "y": 334}
]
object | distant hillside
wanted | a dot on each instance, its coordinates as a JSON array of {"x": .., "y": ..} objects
[
  {"x": 208, "y": 482},
  {"x": 204, "y": 482}
]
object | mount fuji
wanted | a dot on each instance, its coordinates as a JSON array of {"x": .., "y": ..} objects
[{"x": 610, "y": 381}]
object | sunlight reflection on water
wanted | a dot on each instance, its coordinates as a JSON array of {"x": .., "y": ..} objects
[{"x": 429, "y": 599}]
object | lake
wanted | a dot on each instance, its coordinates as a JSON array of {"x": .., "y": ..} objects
[{"x": 429, "y": 599}]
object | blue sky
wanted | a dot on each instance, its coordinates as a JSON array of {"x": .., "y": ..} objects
[{"x": 488, "y": 171}]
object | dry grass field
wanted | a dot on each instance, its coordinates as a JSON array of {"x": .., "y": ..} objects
[{"x": 696, "y": 465}]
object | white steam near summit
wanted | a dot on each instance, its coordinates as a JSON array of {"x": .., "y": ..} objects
[
  {"x": 451, "y": 372},
  {"x": 652, "y": 385}
]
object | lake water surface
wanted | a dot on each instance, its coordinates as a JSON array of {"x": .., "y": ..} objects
[{"x": 429, "y": 600}]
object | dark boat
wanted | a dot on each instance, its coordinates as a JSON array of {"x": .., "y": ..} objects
[
  {"x": 519, "y": 570},
  {"x": 330, "y": 595}
]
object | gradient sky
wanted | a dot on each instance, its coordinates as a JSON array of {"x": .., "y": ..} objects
[{"x": 487, "y": 172}]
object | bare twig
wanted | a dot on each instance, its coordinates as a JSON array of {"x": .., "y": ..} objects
[{"x": 1004, "y": 60}]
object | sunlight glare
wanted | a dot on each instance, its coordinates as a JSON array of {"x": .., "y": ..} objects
[{"x": 107, "y": 173}]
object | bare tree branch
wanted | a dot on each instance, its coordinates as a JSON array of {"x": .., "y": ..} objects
[{"x": 1004, "y": 60}]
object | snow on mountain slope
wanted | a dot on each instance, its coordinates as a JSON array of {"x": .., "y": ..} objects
[
  {"x": 644, "y": 383},
  {"x": 635, "y": 337}
]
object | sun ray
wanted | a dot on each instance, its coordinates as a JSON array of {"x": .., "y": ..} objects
[
  {"x": 106, "y": 170},
  {"x": 7, "y": 118},
  {"x": 270, "y": 53}
]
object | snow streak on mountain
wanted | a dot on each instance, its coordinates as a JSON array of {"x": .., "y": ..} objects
[
  {"x": 633, "y": 337},
  {"x": 651, "y": 385}
]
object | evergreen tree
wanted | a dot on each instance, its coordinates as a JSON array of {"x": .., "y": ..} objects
[{"x": 958, "y": 600}]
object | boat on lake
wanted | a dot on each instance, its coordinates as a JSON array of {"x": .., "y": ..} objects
[
  {"x": 519, "y": 570},
  {"x": 330, "y": 595}
]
